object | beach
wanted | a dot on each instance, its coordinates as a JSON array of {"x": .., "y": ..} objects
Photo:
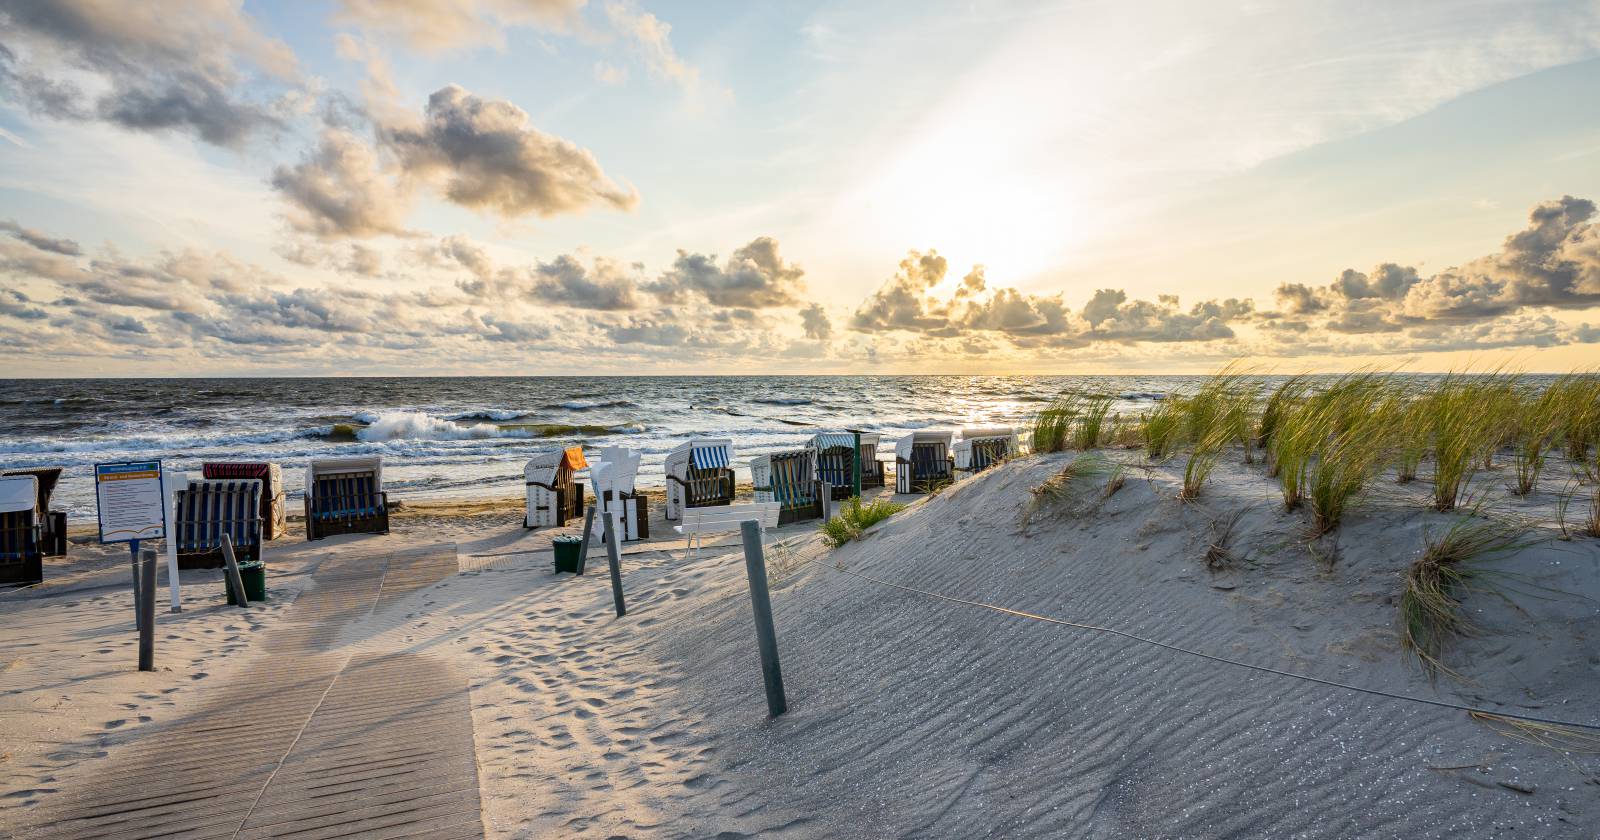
[{"x": 916, "y": 707}]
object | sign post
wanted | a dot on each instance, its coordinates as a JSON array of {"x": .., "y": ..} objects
[
  {"x": 132, "y": 507},
  {"x": 169, "y": 490}
]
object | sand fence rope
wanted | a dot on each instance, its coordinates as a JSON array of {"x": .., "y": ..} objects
[{"x": 813, "y": 554}]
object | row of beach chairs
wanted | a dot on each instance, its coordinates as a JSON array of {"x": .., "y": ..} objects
[{"x": 246, "y": 501}]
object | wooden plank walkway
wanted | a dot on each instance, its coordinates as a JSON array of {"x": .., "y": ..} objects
[{"x": 313, "y": 742}]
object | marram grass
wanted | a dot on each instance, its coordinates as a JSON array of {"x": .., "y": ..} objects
[
  {"x": 1452, "y": 567},
  {"x": 854, "y": 517}
]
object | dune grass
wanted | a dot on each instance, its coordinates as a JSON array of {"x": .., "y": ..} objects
[
  {"x": 1412, "y": 436},
  {"x": 1215, "y": 417},
  {"x": 854, "y": 517},
  {"x": 1050, "y": 427},
  {"x": 1160, "y": 426},
  {"x": 1462, "y": 415},
  {"x": 1350, "y": 445},
  {"x": 1538, "y": 419},
  {"x": 1282, "y": 399},
  {"x": 1089, "y": 427},
  {"x": 1452, "y": 566},
  {"x": 1070, "y": 485},
  {"x": 1578, "y": 410}
]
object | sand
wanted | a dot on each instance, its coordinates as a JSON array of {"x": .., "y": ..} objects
[{"x": 910, "y": 715}]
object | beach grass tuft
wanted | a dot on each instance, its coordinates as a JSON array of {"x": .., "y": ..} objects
[
  {"x": 1352, "y": 419},
  {"x": 854, "y": 517},
  {"x": 1160, "y": 427},
  {"x": 1071, "y": 483},
  {"x": 1450, "y": 568}
]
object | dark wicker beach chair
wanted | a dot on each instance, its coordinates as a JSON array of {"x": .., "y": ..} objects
[
  {"x": 274, "y": 512},
  {"x": 922, "y": 461},
  {"x": 205, "y": 510},
  {"x": 345, "y": 496},
  {"x": 699, "y": 475},
  {"x": 21, "y": 531},
  {"x": 52, "y": 523},
  {"x": 554, "y": 494},
  {"x": 789, "y": 478}
]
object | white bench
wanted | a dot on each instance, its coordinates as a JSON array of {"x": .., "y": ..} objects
[{"x": 697, "y": 522}]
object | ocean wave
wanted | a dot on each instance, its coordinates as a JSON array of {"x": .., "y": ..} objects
[
  {"x": 781, "y": 401},
  {"x": 416, "y": 425},
  {"x": 491, "y": 414},
  {"x": 581, "y": 405},
  {"x": 156, "y": 444}
]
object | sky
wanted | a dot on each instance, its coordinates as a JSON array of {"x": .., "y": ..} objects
[{"x": 379, "y": 187}]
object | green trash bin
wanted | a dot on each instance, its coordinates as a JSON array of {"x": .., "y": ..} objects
[
  {"x": 567, "y": 550},
  {"x": 254, "y": 575}
]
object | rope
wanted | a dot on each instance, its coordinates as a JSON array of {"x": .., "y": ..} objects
[{"x": 1427, "y": 701}]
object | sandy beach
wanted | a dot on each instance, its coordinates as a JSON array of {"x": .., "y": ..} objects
[{"x": 910, "y": 714}]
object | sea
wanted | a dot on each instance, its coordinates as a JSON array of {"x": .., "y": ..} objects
[{"x": 469, "y": 437}]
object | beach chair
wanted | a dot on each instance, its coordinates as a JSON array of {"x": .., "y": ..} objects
[
  {"x": 922, "y": 461},
  {"x": 52, "y": 523},
  {"x": 21, "y": 531},
  {"x": 834, "y": 451},
  {"x": 982, "y": 448},
  {"x": 554, "y": 496},
  {"x": 789, "y": 478},
  {"x": 345, "y": 496},
  {"x": 698, "y": 475},
  {"x": 274, "y": 512},
  {"x": 205, "y": 509},
  {"x": 613, "y": 477}
]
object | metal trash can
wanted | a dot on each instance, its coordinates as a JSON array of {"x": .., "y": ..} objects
[
  {"x": 567, "y": 548},
  {"x": 254, "y": 575}
]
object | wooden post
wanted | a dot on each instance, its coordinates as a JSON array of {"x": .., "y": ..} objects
[
  {"x": 755, "y": 565},
  {"x": 138, "y": 584},
  {"x": 583, "y": 547},
  {"x": 147, "y": 610},
  {"x": 231, "y": 563},
  {"x": 855, "y": 467},
  {"x": 614, "y": 557},
  {"x": 170, "y": 484}
]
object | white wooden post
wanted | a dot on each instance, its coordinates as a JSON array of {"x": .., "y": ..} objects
[{"x": 173, "y": 481}]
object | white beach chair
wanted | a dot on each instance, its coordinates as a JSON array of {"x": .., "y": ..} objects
[
  {"x": 699, "y": 475},
  {"x": 922, "y": 461},
  {"x": 554, "y": 495},
  {"x": 981, "y": 448},
  {"x": 613, "y": 477},
  {"x": 345, "y": 496}
]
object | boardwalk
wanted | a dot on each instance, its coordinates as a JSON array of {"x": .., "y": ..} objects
[{"x": 317, "y": 740}]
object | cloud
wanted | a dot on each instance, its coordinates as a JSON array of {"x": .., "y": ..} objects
[
  {"x": 755, "y": 276},
  {"x": 604, "y": 285},
  {"x": 814, "y": 320},
  {"x": 903, "y": 303},
  {"x": 610, "y": 74},
  {"x": 158, "y": 65},
  {"x": 482, "y": 154},
  {"x": 441, "y": 25},
  {"x": 340, "y": 190},
  {"x": 66, "y": 247},
  {"x": 17, "y": 305},
  {"x": 1554, "y": 262},
  {"x": 650, "y": 38},
  {"x": 486, "y": 156}
]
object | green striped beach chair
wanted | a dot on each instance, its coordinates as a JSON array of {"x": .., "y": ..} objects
[{"x": 788, "y": 478}]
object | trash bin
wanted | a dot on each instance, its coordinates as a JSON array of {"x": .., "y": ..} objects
[
  {"x": 254, "y": 575},
  {"x": 567, "y": 550}
]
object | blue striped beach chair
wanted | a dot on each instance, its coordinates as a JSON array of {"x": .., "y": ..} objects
[
  {"x": 699, "y": 474},
  {"x": 205, "y": 509},
  {"x": 788, "y": 478},
  {"x": 21, "y": 531},
  {"x": 345, "y": 496}
]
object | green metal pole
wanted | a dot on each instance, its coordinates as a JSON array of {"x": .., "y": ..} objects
[{"x": 855, "y": 468}]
